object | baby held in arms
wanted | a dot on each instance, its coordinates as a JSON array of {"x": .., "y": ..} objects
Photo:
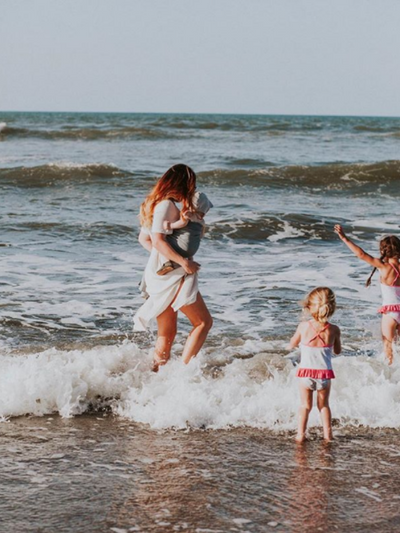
[{"x": 187, "y": 232}]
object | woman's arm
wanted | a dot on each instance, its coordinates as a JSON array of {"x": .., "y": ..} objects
[
  {"x": 145, "y": 240},
  {"x": 357, "y": 251},
  {"x": 162, "y": 246}
]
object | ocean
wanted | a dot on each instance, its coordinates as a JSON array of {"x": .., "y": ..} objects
[{"x": 94, "y": 438}]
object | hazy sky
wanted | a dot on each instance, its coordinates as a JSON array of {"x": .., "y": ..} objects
[{"x": 220, "y": 56}]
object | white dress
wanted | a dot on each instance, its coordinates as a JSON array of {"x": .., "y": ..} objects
[{"x": 163, "y": 289}]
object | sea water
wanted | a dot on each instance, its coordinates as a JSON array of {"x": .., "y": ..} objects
[{"x": 71, "y": 187}]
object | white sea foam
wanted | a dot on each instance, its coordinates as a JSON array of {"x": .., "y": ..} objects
[
  {"x": 288, "y": 232},
  {"x": 257, "y": 392},
  {"x": 3, "y": 126}
]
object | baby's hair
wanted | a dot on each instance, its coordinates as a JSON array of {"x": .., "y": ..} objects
[
  {"x": 321, "y": 303},
  {"x": 389, "y": 247}
]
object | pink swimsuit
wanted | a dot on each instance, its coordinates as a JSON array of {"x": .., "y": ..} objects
[
  {"x": 316, "y": 361},
  {"x": 391, "y": 298}
]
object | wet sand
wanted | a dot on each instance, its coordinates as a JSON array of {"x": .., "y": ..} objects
[{"x": 99, "y": 473}]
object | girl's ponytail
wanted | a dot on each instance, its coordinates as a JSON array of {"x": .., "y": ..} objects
[
  {"x": 368, "y": 282},
  {"x": 324, "y": 312}
]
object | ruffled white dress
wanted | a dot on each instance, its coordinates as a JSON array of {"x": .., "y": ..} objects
[{"x": 163, "y": 289}]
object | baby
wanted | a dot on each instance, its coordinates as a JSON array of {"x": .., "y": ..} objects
[{"x": 187, "y": 231}]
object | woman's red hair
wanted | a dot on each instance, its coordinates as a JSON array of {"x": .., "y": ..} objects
[{"x": 178, "y": 183}]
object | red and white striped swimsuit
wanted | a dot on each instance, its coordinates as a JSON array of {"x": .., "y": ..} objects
[
  {"x": 316, "y": 361},
  {"x": 391, "y": 298}
]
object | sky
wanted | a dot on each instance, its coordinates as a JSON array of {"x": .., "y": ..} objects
[{"x": 318, "y": 57}]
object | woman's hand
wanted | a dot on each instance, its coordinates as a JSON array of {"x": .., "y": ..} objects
[
  {"x": 190, "y": 267},
  {"x": 339, "y": 232}
]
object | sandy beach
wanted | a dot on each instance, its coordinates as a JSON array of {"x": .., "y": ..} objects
[{"x": 97, "y": 473}]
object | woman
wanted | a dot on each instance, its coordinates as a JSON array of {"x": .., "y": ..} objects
[{"x": 177, "y": 290}]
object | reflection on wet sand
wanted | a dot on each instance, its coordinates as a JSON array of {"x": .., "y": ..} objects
[
  {"x": 309, "y": 485},
  {"x": 173, "y": 489},
  {"x": 99, "y": 474}
]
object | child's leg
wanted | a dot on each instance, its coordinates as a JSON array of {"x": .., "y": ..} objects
[
  {"x": 389, "y": 330},
  {"x": 306, "y": 397},
  {"x": 325, "y": 410}
]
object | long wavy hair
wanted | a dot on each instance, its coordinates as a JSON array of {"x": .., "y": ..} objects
[
  {"x": 389, "y": 247},
  {"x": 320, "y": 303},
  {"x": 178, "y": 184}
]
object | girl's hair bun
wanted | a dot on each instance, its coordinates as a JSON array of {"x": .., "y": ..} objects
[{"x": 321, "y": 303}]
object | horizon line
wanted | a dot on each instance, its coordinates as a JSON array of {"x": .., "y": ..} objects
[{"x": 202, "y": 113}]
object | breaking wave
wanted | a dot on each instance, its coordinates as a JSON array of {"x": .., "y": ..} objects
[
  {"x": 53, "y": 174},
  {"x": 259, "y": 391},
  {"x": 359, "y": 178}
]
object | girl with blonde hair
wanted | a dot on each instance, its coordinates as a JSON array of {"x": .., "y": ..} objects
[
  {"x": 178, "y": 289},
  {"x": 319, "y": 341}
]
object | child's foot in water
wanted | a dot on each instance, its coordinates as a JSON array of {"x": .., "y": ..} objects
[
  {"x": 300, "y": 438},
  {"x": 388, "y": 349}
]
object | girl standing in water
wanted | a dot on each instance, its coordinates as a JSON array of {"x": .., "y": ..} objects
[
  {"x": 388, "y": 265},
  {"x": 178, "y": 289},
  {"x": 318, "y": 340}
]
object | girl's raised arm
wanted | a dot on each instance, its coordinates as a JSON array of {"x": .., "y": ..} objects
[{"x": 357, "y": 251}]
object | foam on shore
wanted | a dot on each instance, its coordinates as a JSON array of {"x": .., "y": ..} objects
[{"x": 257, "y": 392}]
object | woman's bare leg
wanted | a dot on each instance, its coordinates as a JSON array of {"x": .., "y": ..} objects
[
  {"x": 325, "y": 410},
  {"x": 165, "y": 337},
  {"x": 306, "y": 397},
  {"x": 201, "y": 320},
  {"x": 389, "y": 331}
]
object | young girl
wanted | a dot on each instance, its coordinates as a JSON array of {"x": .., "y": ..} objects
[
  {"x": 318, "y": 341},
  {"x": 388, "y": 265}
]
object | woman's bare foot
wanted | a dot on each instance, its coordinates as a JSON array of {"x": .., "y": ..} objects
[
  {"x": 159, "y": 359},
  {"x": 155, "y": 366}
]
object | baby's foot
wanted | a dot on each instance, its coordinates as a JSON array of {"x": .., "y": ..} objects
[
  {"x": 167, "y": 267},
  {"x": 300, "y": 438}
]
